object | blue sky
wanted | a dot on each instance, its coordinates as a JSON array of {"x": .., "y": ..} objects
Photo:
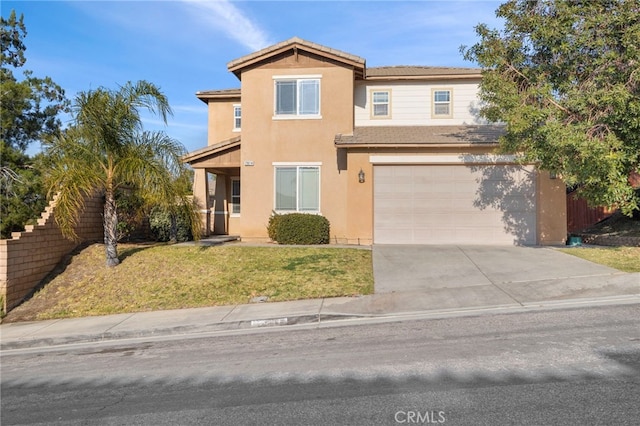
[{"x": 184, "y": 46}]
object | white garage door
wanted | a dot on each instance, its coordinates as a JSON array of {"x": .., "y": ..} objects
[{"x": 454, "y": 204}]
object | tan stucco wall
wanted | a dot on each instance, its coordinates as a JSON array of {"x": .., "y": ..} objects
[
  {"x": 221, "y": 120},
  {"x": 359, "y": 208},
  {"x": 200, "y": 191},
  {"x": 552, "y": 210},
  {"x": 265, "y": 141}
]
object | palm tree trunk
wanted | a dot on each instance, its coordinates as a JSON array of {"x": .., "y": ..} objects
[
  {"x": 110, "y": 222},
  {"x": 173, "y": 232}
]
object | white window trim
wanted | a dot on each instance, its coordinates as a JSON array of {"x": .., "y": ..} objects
[
  {"x": 237, "y": 129},
  {"x": 231, "y": 203},
  {"x": 433, "y": 102},
  {"x": 297, "y": 165},
  {"x": 296, "y": 117},
  {"x": 373, "y": 104},
  {"x": 297, "y": 77}
]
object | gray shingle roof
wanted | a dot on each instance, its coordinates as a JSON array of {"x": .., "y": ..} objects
[
  {"x": 420, "y": 71},
  {"x": 211, "y": 149},
  {"x": 223, "y": 92},
  {"x": 421, "y": 135},
  {"x": 206, "y": 95}
]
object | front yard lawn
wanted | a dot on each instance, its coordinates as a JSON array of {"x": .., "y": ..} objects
[
  {"x": 172, "y": 277},
  {"x": 626, "y": 259}
]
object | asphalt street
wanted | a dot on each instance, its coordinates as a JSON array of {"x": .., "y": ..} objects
[{"x": 574, "y": 366}]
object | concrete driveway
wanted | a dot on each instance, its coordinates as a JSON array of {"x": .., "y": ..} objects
[{"x": 415, "y": 278}]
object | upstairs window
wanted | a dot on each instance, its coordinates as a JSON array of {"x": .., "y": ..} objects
[
  {"x": 380, "y": 104},
  {"x": 441, "y": 106},
  {"x": 297, "y": 97},
  {"x": 237, "y": 117}
]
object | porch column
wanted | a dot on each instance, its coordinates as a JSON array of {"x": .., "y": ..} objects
[
  {"x": 201, "y": 197},
  {"x": 220, "y": 210}
]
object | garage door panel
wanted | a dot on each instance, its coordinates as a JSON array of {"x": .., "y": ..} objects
[
  {"x": 426, "y": 220},
  {"x": 392, "y": 210},
  {"x": 462, "y": 204},
  {"x": 446, "y": 188},
  {"x": 469, "y": 220},
  {"x": 395, "y": 220},
  {"x": 520, "y": 204},
  {"x": 431, "y": 204},
  {"x": 464, "y": 188},
  {"x": 441, "y": 173},
  {"x": 454, "y": 204},
  {"x": 388, "y": 236}
]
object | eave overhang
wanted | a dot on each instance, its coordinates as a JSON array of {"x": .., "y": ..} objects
[{"x": 223, "y": 95}]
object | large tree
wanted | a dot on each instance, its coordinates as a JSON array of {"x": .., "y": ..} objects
[
  {"x": 564, "y": 76},
  {"x": 106, "y": 148},
  {"x": 29, "y": 110}
]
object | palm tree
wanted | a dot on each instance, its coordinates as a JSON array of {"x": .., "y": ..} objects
[{"x": 106, "y": 148}]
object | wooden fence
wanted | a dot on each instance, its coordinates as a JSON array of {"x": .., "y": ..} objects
[{"x": 580, "y": 215}]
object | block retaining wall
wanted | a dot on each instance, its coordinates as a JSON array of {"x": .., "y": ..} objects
[
  {"x": 609, "y": 240},
  {"x": 29, "y": 256}
]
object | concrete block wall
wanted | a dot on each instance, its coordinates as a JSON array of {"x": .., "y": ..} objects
[{"x": 29, "y": 256}]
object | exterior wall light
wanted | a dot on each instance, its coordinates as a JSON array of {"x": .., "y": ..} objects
[{"x": 361, "y": 176}]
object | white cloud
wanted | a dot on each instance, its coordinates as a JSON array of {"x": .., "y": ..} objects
[
  {"x": 225, "y": 16},
  {"x": 192, "y": 109}
]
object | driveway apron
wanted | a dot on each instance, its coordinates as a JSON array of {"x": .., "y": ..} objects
[{"x": 471, "y": 276}]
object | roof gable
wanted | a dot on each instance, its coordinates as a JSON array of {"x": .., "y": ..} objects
[
  {"x": 212, "y": 151},
  {"x": 294, "y": 44}
]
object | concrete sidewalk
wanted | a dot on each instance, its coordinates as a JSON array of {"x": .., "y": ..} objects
[{"x": 410, "y": 282}]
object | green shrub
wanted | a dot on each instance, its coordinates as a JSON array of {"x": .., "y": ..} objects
[
  {"x": 131, "y": 215},
  {"x": 273, "y": 225},
  {"x": 299, "y": 228},
  {"x": 163, "y": 228}
]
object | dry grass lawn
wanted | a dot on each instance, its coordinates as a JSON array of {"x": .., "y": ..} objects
[
  {"x": 625, "y": 259},
  {"x": 172, "y": 277}
]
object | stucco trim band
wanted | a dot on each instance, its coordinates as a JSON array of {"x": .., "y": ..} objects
[{"x": 444, "y": 159}]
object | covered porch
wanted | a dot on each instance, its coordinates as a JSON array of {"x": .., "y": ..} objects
[{"x": 216, "y": 186}]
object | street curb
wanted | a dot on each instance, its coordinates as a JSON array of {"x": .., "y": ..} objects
[
  {"x": 178, "y": 330},
  {"x": 317, "y": 319}
]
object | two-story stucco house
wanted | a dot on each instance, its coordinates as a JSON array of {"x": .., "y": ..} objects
[{"x": 389, "y": 155}]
